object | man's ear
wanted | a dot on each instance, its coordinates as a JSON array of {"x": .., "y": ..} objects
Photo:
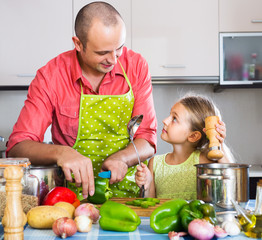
[
  {"x": 194, "y": 136},
  {"x": 77, "y": 43}
]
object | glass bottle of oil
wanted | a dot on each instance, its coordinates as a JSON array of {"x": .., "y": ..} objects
[{"x": 253, "y": 228}]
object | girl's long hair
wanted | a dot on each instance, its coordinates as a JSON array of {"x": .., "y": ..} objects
[{"x": 200, "y": 107}]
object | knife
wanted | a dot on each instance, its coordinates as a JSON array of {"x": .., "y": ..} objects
[{"x": 106, "y": 174}]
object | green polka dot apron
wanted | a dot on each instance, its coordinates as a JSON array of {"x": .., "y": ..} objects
[{"x": 102, "y": 131}]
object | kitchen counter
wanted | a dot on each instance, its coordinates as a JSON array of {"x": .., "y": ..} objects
[{"x": 144, "y": 232}]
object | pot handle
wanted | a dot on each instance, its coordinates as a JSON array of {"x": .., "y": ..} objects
[{"x": 213, "y": 177}]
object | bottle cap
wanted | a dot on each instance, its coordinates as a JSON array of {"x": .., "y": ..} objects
[{"x": 259, "y": 183}]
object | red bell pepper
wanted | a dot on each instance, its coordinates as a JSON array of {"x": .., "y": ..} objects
[{"x": 59, "y": 194}]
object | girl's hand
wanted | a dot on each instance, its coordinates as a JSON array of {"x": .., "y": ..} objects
[
  {"x": 143, "y": 176},
  {"x": 221, "y": 129}
]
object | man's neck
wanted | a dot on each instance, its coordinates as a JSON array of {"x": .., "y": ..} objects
[
  {"x": 94, "y": 80},
  {"x": 94, "y": 77}
]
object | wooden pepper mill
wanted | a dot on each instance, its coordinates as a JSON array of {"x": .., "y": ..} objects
[
  {"x": 14, "y": 218},
  {"x": 214, "y": 145}
]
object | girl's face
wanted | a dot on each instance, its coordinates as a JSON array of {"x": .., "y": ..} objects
[{"x": 176, "y": 126}]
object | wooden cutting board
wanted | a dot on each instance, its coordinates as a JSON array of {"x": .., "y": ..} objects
[{"x": 142, "y": 212}]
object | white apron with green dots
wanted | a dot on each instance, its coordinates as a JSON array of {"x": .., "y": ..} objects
[{"x": 102, "y": 131}]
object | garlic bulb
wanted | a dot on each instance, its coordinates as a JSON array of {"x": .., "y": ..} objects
[
  {"x": 83, "y": 223},
  {"x": 231, "y": 227}
]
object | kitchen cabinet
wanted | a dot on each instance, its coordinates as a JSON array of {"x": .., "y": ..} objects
[
  {"x": 177, "y": 38},
  {"x": 241, "y": 59},
  {"x": 240, "y": 15},
  {"x": 123, "y": 7},
  {"x": 32, "y": 33}
]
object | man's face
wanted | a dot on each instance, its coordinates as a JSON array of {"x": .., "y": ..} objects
[{"x": 104, "y": 46}]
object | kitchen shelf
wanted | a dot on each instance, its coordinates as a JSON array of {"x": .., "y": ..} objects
[
  {"x": 184, "y": 80},
  {"x": 11, "y": 88},
  {"x": 173, "y": 81},
  {"x": 220, "y": 88}
]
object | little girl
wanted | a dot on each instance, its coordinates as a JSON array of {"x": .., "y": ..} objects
[{"x": 173, "y": 175}]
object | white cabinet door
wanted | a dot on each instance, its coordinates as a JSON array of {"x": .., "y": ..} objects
[
  {"x": 240, "y": 15},
  {"x": 178, "y": 38},
  {"x": 32, "y": 33},
  {"x": 122, "y": 6}
]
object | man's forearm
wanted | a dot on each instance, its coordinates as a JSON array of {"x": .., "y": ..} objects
[
  {"x": 38, "y": 153},
  {"x": 129, "y": 156}
]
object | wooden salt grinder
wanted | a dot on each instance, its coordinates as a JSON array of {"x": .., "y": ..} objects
[
  {"x": 14, "y": 218},
  {"x": 214, "y": 145}
]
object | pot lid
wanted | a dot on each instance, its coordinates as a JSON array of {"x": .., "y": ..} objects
[
  {"x": 43, "y": 166},
  {"x": 222, "y": 165}
]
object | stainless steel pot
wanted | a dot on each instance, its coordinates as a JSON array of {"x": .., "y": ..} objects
[
  {"x": 49, "y": 177},
  {"x": 219, "y": 183}
]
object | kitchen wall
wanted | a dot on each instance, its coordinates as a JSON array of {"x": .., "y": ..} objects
[{"x": 240, "y": 108}]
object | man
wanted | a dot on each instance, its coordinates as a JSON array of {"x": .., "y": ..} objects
[{"x": 88, "y": 95}]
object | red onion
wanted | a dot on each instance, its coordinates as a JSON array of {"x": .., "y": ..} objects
[
  {"x": 201, "y": 229},
  {"x": 64, "y": 227},
  {"x": 220, "y": 232},
  {"x": 89, "y": 210},
  {"x": 176, "y": 235}
]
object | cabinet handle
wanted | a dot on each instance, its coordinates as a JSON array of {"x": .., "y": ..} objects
[
  {"x": 256, "y": 21},
  {"x": 173, "y": 66},
  {"x": 25, "y": 75}
]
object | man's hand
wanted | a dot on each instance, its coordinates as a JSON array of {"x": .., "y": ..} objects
[
  {"x": 73, "y": 162},
  {"x": 64, "y": 156},
  {"x": 119, "y": 162},
  {"x": 118, "y": 169}
]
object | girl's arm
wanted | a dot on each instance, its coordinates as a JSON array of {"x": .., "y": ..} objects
[{"x": 152, "y": 190}]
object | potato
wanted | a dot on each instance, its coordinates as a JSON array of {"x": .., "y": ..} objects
[
  {"x": 67, "y": 206},
  {"x": 44, "y": 216}
]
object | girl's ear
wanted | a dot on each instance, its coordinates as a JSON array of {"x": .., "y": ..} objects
[{"x": 194, "y": 136}]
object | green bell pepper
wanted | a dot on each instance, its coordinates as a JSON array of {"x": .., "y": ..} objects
[
  {"x": 144, "y": 202},
  {"x": 102, "y": 191},
  {"x": 209, "y": 213},
  {"x": 197, "y": 209},
  {"x": 190, "y": 212},
  {"x": 156, "y": 200},
  {"x": 118, "y": 217},
  {"x": 166, "y": 217}
]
